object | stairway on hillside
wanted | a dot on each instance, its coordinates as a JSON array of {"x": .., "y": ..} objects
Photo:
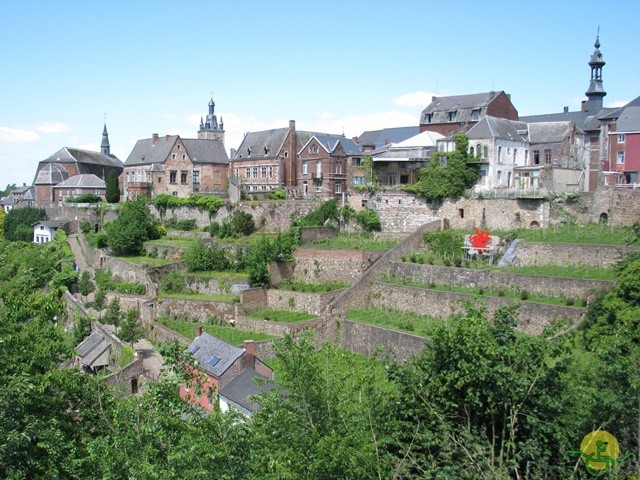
[{"x": 510, "y": 255}]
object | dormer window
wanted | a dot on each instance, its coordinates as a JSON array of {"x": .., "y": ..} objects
[
  {"x": 452, "y": 115},
  {"x": 266, "y": 150},
  {"x": 286, "y": 154},
  {"x": 249, "y": 151},
  {"x": 475, "y": 114},
  {"x": 428, "y": 117}
]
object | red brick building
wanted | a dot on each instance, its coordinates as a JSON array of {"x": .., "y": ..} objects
[{"x": 622, "y": 166}]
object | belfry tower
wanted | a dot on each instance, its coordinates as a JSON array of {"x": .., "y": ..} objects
[
  {"x": 596, "y": 92},
  {"x": 211, "y": 129}
]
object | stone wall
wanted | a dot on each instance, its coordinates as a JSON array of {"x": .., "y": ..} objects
[
  {"x": 470, "y": 278},
  {"x": 313, "y": 234},
  {"x": 195, "y": 310},
  {"x": 137, "y": 302},
  {"x": 369, "y": 340},
  {"x": 312, "y": 303},
  {"x": 531, "y": 253},
  {"x": 160, "y": 333},
  {"x": 213, "y": 285},
  {"x": 534, "y": 317},
  {"x": 128, "y": 378},
  {"x": 253, "y": 298},
  {"x": 345, "y": 266},
  {"x": 129, "y": 272},
  {"x": 277, "y": 329},
  {"x": 401, "y": 212}
]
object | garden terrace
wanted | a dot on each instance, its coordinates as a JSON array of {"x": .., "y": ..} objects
[
  {"x": 231, "y": 335},
  {"x": 408, "y": 322},
  {"x": 354, "y": 241}
]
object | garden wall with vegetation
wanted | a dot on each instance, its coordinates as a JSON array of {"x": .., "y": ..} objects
[
  {"x": 478, "y": 278},
  {"x": 533, "y": 253},
  {"x": 129, "y": 272},
  {"x": 195, "y": 310},
  {"x": 533, "y": 316},
  {"x": 277, "y": 329},
  {"x": 368, "y": 340},
  {"x": 315, "y": 265},
  {"x": 313, "y": 303}
]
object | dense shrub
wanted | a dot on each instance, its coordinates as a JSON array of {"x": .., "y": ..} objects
[
  {"x": 84, "y": 198},
  {"x": 369, "y": 220},
  {"x": 186, "y": 225},
  {"x": 210, "y": 203},
  {"x": 173, "y": 282},
  {"x": 328, "y": 211},
  {"x": 445, "y": 242},
  {"x": 243, "y": 223},
  {"x": 18, "y": 223}
]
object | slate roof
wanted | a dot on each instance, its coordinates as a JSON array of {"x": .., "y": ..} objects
[
  {"x": 76, "y": 155},
  {"x": 549, "y": 132},
  {"x": 418, "y": 147},
  {"x": 614, "y": 113},
  {"x": 205, "y": 347},
  {"x": 51, "y": 223},
  {"x": 242, "y": 387},
  {"x": 86, "y": 180},
  {"x": 463, "y": 105},
  {"x": 629, "y": 120},
  {"x": 494, "y": 127},
  {"x": 201, "y": 151},
  {"x": 585, "y": 121},
  {"x": 8, "y": 200},
  {"x": 380, "y": 138},
  {"x": 91, "y": 349},
  {"x": 330, "y": 143},
  {"x": 51, "y": 173},
  {"x": 271, "y": 140}
]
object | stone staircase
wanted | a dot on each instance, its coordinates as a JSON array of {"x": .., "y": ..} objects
[{"x": 510, "y": 255}]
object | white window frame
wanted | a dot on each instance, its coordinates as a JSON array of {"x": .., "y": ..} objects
[{"x": 620, "y": 157}]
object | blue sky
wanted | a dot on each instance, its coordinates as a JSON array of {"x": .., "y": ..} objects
[{"x": 332, "y": 66}]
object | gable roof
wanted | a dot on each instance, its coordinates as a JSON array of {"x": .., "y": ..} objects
[
  {"x": 202, "y": 150},
  {"x": 85, "y": 180},
  {"x": 146, "y": 152},
  {"x": 91, "y": 350},
  {"x": 494, "y": 127},
  {"x": 629, "y": 120},
  {"x": 243, "y": 386},
  {"x": 270, "y": 141},
  {"x": 51, "y": 223},
  {"x": 330, "y": 142},
  {"x": 380, "y": 138},
  {"x": 549, "y": 132},
  {"x": 77, "y": 155},
  {"x": 462, "y": 105},
  {"x": 206, "y": 348}
]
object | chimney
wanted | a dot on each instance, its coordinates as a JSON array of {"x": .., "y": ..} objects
[
  {"x": 250, "y": 347},
  {"x": 566, "y": 109},
  {"x": 292, "y": 125},
  {"x": 154, "y": 139},
  {"x": 166, "y": 137},
  {"x": 585, "y": 106},
  {"x": 433, "y": 98},
  {"x": 198, "y": 331}
]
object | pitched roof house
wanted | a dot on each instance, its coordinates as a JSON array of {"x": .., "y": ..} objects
[
  {"x": 622, "y": 166},
  {"x": 458, "y": 113},
  {"x": 78, "y": 185},
  {"x": 220, "y": 363}
]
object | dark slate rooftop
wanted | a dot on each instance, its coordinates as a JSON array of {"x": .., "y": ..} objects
[
  {"x": 51, "y": 173},
  {"x": 76, "y": 155},
  {"x": 585, "y": 121},
  {"x": 380, "y": 138},
  {"x": 330, "y": 143},
  {"x": 462, "y": 105},
  {"x": 91, "y": 348},
  {"x": 206, "y": 349},
  {"x": 614, "y": 113},
  {"x": 86, "y": 180},
  {"x": 629, "y": 120},
  {"x": 549, "y": 132},
  {"x": 199, "y": 150},
  {"x": 51, "y": 223},
  {"x": 494, "y": 127},
  {"x": 206, "y": 151},
  {"x": 265, "y": 144},
  {"x": 241, "y": 388}
]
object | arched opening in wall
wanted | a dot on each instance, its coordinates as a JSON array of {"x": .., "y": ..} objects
[
  {"x": 461, "y": 212},
  {"x": 534, "y": 224},
  {"x": 96, "y": 228},
  {"x": 134, "y": 385},
  {"x": 604, "y": 219}
]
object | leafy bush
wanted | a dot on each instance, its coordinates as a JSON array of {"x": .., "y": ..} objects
[
  {"x": 277, "y": 194},
  {"x": 243, "y": 223},
  {"x": 186, "y": 225},
  {"x": 18, "y": 223},
  {"x": 210, "y": 203},
  {"x": 369, "y": 220},
  {"x": 133, "y": 226},
  {"x": 173, "y": 282},
  {"x": 84, "y": 198},
  {"x": 85, "y": 227},
  {"x": 214, "y": 228},
  {"x": 327, "y": 211},
  {"x": 445, "y": 242}
]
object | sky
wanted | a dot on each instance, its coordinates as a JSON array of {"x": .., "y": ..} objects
[{"x": 332, "y": 66}]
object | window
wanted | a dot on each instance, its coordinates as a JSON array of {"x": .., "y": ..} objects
[
  {"x": 173, "y": 156},
  {"x": 338, "y": 187},
  {"x": 621, "y": 137},
  {"x": 478, "y": 149},
  {"x": 485, "y": 152},
  {"x": 452, "y": 116},
  {"x": 620, "y": 158},
  {"x": 428, "y": 117},
  {"x": 526, "y": 157},
  {"x": 356, "y": 162},
  {"x": 461, "y": 212},
  {"x": 184, "y": 157},
  {"x": 254, "y": 172},
  {"x": 313, "y": 149},
  {"x": 172, "y": 176},
  {"x": 237, "y": 172},
  {"x": 499, "y": 154},
  {"x": 536, "y": 157},
  {"x": 499, "y": 176},
  {"x": 475, "y": 114},
  {"x": 443, "y": 161},
  {"x": 263, "y": 172},
  {"x": 318, "y": 169},
  {"x": 270, "y": 172},
  {"x": 286, "y": 154},
  {"x": 338, "y": 168},
  {"x": 471, "y": 152},
  {"x": 175, "y": 194},
  {"x": 248, "y": 172},
  {"x": 547, "y": 157},
  {"x": 183, "y": 176},
  {"x": 178, "y": 147},
  {"x": 357, "y": 180},
  {"x": 305, "y": 168},
  {"x": 196, "y": 176},
  {"x": 515, "y": 154}
]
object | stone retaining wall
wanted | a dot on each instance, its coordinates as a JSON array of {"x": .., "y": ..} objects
[
  {"x": 345, "y": 266},
  {"x": 534, "y": 317},
  {"x": 129, "y": 272},
  {"x": 277, "y": 329},
  {"x": 160, "y": 333},
  {"x": 213, "y": 285},
  {"x": 129, "y": 376},
  {"x": 471, "y": 278},
  {"x": 370, "y": 339},
  {"x": 533, "y": 253},
  {"x": 312, "y": 303},
  {"x": 195, "y": 310}
]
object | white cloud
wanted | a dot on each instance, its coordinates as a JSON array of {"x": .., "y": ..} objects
[
  {"x": 618, "y": 104},
  {"x": 354, "y": 125},
  {"x": 18, "y": 135},
  {"x": 415, "y": 99},
  {"x": 93, "y": 147},
  {"x": 53, "y": 127}
]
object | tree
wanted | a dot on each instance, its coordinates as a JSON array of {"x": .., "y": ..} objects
[
  {"x": 85, "y": 285},
  {"x": 18, "y": 223},
  {"x": 131, "y": 330},
  {"x": 448, "y": 174},
  {"x": 243, "y": 223},
  {"x": 134, "y": 225},
  {"x": 99, "y": 300},
  {"x": 112, "y": 193},
  {"x": 2, "y": 217},
  {"x": 113, "y": 315}
]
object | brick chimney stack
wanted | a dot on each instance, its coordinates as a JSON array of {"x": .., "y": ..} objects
[
  {"x": 154, "y": 139},
  {"x": 198, "y": 331},
  {"x": 250, "y": 354}
]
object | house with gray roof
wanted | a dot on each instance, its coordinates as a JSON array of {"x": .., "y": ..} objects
[
  {"x": 622, "y": 167},
  {"x": 24, "y": 196},
  {"x": 458, "y": 113},
  {"x": 240, "y": 392},
  {"x": 371, "y": 140},
  {"x": 44, "y": 231},
  {"x": 78, "y": 185},
  {"x": 219, "y": 363},
  {"x": 69, "y": 162},
  {"x": 93, "y": 353}
]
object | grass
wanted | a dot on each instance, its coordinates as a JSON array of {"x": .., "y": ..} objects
[
  {"x": 210, "y": 274},
  {"x": 421, "y": 325},
  {"x": 147, "y": 261},
  {"x": 230, "y": 335},
  {"x": 282, "y": 316},
  {"x": 242, "y": 240},
  {"x": 298, "y": 286},
  {"x": 518, "y": 295},
  {"x": 584, "y": 272},
  {"x": 354, "y": 241},
  {"x": 591, "y": 233},
  {"x": 171, "y": 242},
  {"x": 210, "y": 297},
  {"x": 126, "y": 357}
]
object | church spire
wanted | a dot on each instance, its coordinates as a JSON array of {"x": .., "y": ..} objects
[
  {"x": 596, "y": 92},
  {"x": 210, "y": 129},
  {"x": 105, "y": 149}
]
